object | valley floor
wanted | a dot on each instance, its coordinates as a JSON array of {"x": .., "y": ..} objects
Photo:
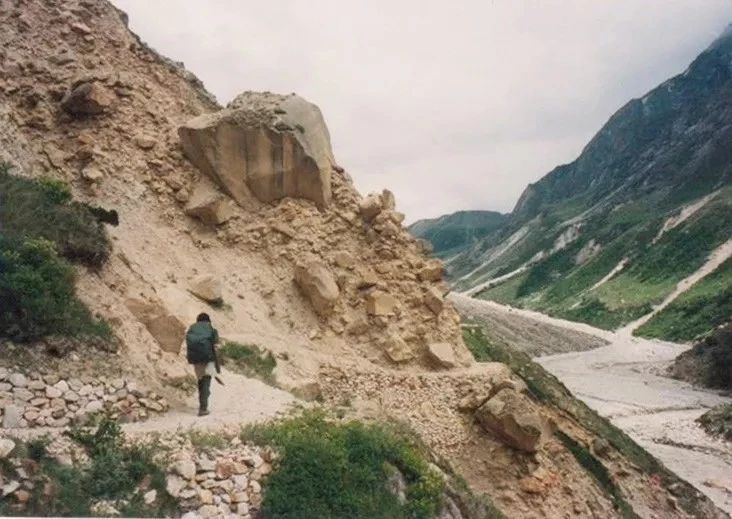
[{"x": 622, "y": 381}]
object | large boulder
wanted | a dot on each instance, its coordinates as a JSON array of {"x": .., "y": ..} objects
[
  {"x": 316, "y": 281},
  {"x": 207, "y": 288},
  {"x": 513, "y": 418},
  {"x": 208, "y": 206},
  {"x": 442, "y": 354},
  {"x": 165, "y": 328},
  {"x": 267, "y": 145},
  {"x": 380, "y": 303},
  {"x": 87, "y": 99}
]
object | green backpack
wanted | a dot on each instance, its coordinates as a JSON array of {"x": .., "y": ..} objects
[{"x": 200, "y": 340}]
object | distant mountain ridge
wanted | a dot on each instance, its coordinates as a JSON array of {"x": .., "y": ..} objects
[
  {"x": 451, "y": 234},
  {"x": 604, "y": 238}
]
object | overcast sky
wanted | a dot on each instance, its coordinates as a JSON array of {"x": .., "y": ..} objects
[{"x": 451, "y": 105}]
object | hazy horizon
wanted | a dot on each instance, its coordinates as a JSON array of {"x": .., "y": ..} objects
[{"x": 452, "y": 107}]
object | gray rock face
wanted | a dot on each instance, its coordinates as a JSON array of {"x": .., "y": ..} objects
[
  {"x": 11, "y": 417},
  {"x": 263, "y": 145}
]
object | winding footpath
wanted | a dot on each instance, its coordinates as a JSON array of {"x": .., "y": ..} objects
[{"x": 622, "y": 381}]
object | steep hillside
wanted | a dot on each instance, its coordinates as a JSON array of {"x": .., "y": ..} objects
[
  {"x": 453, "y": 233},
  {"x": 605, "y": 238},
  {"x": 243, "y": 212}
]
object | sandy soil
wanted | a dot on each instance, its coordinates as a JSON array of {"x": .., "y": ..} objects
[{"x": 621, "y": 381}]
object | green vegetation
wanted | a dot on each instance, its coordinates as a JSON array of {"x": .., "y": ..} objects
[
  {"x": 343, "y": 469},
  {"x": 709, "y": 362},
  {"x": 598, "y": 471},
  {"x": 116, "y": 471},
  {"x": 558, "y": 286},
  {"x": 548, "y": 389},
  {"x": 718, "y": 421},
  {"x": 696, "y": 312},
  {"x": 40, "y": 229},
  {"x": 249, "y": 360},
  {"x": 42, "y": 208}
]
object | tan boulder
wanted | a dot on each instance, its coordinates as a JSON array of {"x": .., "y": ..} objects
[
  {"x": 397, "y": 349},
  {"x": 207, "y": 288},
  {"x": 370, "y": 207},
  {"x": 514, "y": 418},
  {"x": 380, "y": 303},
  {"x": 208, "y": 205},
  {"x": 316, "y": 281},
  {"x": 266, "y": 145},
  {"x": 87, "y": 99},
  {"x": 344, "y": 259},
  {"x": 442, "y": 354},
  {"x": 165, "y": 328},
  {"x": 367, "y": 278},
  {"x": 433, "y": 271},
  {"x": 388, "y": 202},
  {"x": 168, "y": 331},
  {"x": 433, "y": 299}
]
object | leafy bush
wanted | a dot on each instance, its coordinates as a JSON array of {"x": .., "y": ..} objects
[
  {"x": 330, "y": 470},
  {"x": 249, "y": 360},
  {"x": 718, "y": 421},
  {"x": 42, "y": 208},
  {"x": 116, "y": 471},
  {"x": 37, "y": 291}
]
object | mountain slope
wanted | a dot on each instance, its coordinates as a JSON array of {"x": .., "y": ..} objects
[
  {"x": 605, "y": 238},
  {"x": 453, "y": 233}
]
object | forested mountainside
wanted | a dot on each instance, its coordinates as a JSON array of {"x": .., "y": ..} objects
[
  {"x": 453, "y": 233},
  {"x": 605, "y": 238}
]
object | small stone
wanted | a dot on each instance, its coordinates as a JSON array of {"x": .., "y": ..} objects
[
  {"x": 94, "y": 406},
  {"x": 70, "y": 396},
  {"x": 206, "y": 496},
  {"x": 62, "y": 386},
  {"x": 23, "y": 496},
  {"x": 145, "y": 142},
  {"x": 18, "y": 380},
  {"x": 6, "y": 447},
  {"x": 174, "y": 484},
  {"x": 150, "y": 497},
  {"x": 10, "y": 487},
  {"x": 53, "y": 392},
  {"x": 185, "y": 468},
  {"x": 12, "y": 417},
  {"x": 80, "y": 28}
]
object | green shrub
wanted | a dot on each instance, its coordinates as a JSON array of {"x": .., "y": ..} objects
[
  {"x": 249, "y": 360},
  {"x": 43, "y": 208},
  {"x": 331, "y": 470},
  {"x": 37, "y": 291},
  {"x": 116, "y": 471}
]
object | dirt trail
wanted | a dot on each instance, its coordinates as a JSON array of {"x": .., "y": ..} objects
[
  {"x": 240, "y": 401},
  {"x": 621, "y": 381}
]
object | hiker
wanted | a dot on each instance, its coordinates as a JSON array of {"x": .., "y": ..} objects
[{"x": 201, "y": 340}]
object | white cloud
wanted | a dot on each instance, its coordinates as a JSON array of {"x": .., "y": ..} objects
[{"x": 452, "y": 105}]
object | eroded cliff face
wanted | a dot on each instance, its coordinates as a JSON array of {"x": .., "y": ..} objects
[{"x": 243, "y": 212}]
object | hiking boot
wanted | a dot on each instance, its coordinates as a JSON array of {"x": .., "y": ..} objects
[{"x": 203, "y": 412}]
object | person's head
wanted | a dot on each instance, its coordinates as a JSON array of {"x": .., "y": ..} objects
[{"x": 203, "y": 318}]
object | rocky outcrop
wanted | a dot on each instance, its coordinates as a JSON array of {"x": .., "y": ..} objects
[
  {"x": 317, "y": 283},
  {"x": 513, "y": 418},
  {"x": 208, "y": 206},
  {"x": 165, "y": 328},
  {"x": 266, "y": 145}
]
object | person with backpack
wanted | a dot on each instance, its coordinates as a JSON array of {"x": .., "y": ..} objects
[{"x": 201, "y": 340}]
